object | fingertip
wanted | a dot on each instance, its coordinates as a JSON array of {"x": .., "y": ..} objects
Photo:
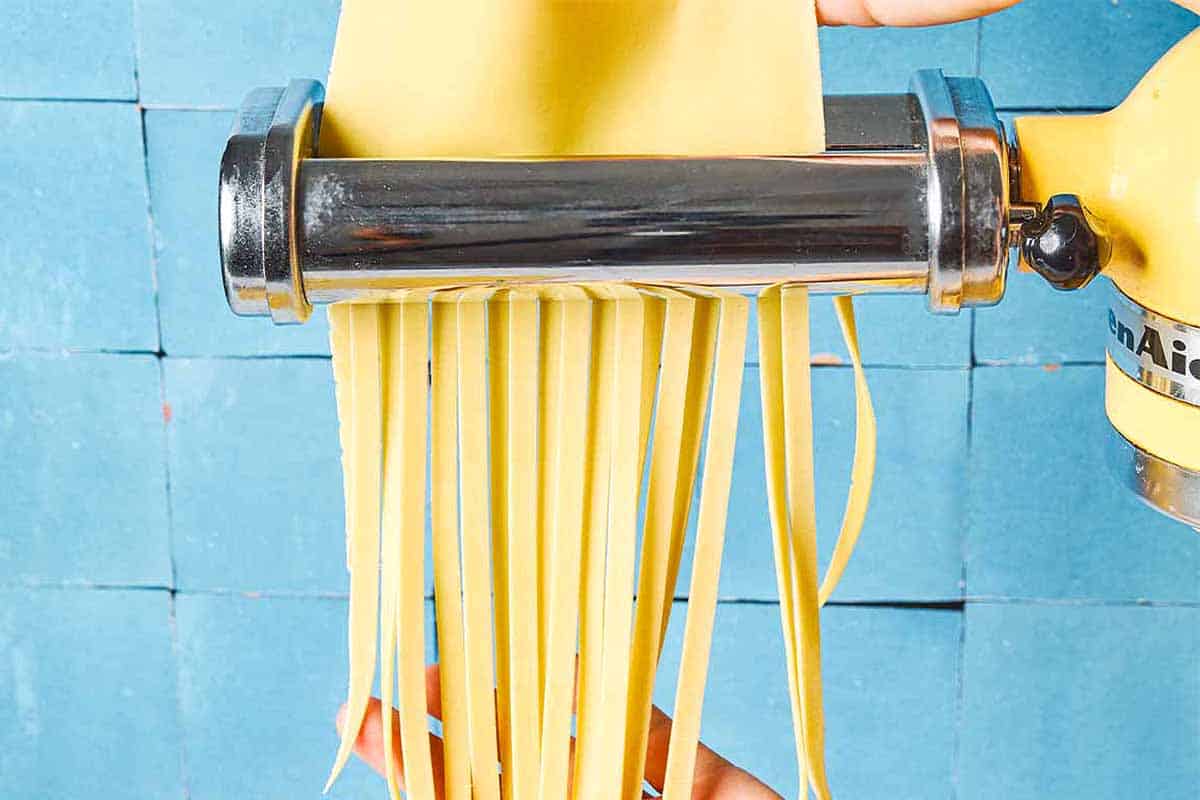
[
  {"x": 369, "y": 744},
  {"x": 339, "y": 720}
]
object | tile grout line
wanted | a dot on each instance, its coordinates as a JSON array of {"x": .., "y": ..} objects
[
  {"x": 152, "y": 230},
  {"x": 153, "y": 240},
  {"x": 166, "y": 456},
  {"x": 200, "y": 108},
  {"x": 948, "y": 604},
  {"x": 964, "y": 528},
  {"x": 165, "y": 356},
  {"x": 993, "y": 363},
  {"x": 203, "y": 108},
  {"x": 1078, "y": 602},
  {"x": 98, "y": 100},
  {"x": 965, "y": 524},
  {"x": 177, "y": 654},
  {"x": 960, "y": 706},
  {"x": 11, "y": 352}
]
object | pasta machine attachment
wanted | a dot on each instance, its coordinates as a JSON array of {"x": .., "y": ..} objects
[
  {"x": 921, "y": 192},
  {"x": 914, "y": 193}
]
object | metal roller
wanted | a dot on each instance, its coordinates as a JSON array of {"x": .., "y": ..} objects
[{"x": 914, "y": 193}]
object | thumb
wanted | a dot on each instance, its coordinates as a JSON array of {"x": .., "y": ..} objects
[{"x": 906, "y": 13}]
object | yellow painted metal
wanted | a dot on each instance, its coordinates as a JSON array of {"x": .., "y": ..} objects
[
  {"x": 1154, "y": 422},
  {"x": 1137, "y": 168}
]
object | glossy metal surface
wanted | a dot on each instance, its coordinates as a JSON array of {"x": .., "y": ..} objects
[
  {"x": 910, "y": 196},
  {"x": 969, "y": 183},
  {"x": 291, "y": 138},
  {"x": 240, "y": 205},
  {"x": 1164, "y": 486},
  {"x": 845, "y": 219},
  {"x": 1154, "y": 350},
  {"x": 874, "y": 122},
  {"x": 1063, "y": 243},
  {"x": 275, "y": 131}
]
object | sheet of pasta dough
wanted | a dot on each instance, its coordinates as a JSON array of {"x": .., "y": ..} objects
[{"x": 529, "y": 78}]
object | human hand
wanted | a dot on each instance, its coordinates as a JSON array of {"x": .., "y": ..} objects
[
  {"x": 908, "y": 13},
  {"x": 904, "y": 13},
  {"x": 716, "y": 778}
]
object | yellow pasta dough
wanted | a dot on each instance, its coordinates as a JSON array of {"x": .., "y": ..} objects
[{"x": 544, "y": 405}]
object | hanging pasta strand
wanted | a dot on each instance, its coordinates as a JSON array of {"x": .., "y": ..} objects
[
  {"x": 626, "y": 468},
  {"x": 550, "y": 340},
  {"x": 520, "y": 507},
  {"x": 770, "y": 374},
  {"x": 658, "y": 526},
  {"x": 570, "y": 326},
  {"x": 654, "y": 320},
  {"x": 862, "y": 470},
  {"x": 785, "y": 373},
  {"x": 802, "y": 525},
  {"x": 699, "y": 384},
  {"x": 710, "y": 538},
  {"x": 391, "y": 524},
  {"x": 476, "y": 549},
  {"x": 410, "y": 319},
  {"x": 447, "y": 582},
  {"x": 589, "y": 769},
  {"x": 355, "y": 342},
  {"x": 498, "y": 441}
]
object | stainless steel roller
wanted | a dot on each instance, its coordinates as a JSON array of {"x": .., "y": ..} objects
[{"x": 914, "y": 193}]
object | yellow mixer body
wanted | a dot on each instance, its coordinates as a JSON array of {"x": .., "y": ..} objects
[{"x": 1137, "y": 169}]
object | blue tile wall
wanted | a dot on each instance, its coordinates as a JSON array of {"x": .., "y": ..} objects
[
  {"x": 84, "y": 497},
  {"x": 75, "y": 260},
  {"x": 278, "y": 527},
  {"x": 1080, "y": 701},
  {"x": 172, "y": 575},
  {"x": 891, "y": 682},
  {"x": 184, "y": 151},
  {"x": 198, "y": 53},
  {"x": 860, "y": 60},
  {"x": 87, "y": 696},
  {"x": 1081, "y": 54},
  {"x": 1037, "y": 324},
  {"x": 61, "y": 48},
  {"x": 253, "y": 418},
  {"x": 282, "y": 658},
  {"x": 910, "y": 548},
  {"x": 1047, "y": 520},
  {"x": 893, "y": 330}
]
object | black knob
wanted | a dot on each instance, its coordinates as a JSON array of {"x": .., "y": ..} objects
[{"x": 1062, "y": 245}]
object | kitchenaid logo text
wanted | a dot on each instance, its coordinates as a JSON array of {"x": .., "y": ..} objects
[{"x": 1153, "y": 346}]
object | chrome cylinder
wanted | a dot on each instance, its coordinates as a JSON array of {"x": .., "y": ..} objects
[
  {"x": 911, "y": 195},
  {"x": 843, "y": 221}
]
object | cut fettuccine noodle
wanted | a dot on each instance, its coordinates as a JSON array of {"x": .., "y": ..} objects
[
  {"x": 785, "y": 374},
  {"x": 542, "y": 419}
]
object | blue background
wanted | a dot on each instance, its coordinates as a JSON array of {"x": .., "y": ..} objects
[{"x": 172, "y": 612}]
